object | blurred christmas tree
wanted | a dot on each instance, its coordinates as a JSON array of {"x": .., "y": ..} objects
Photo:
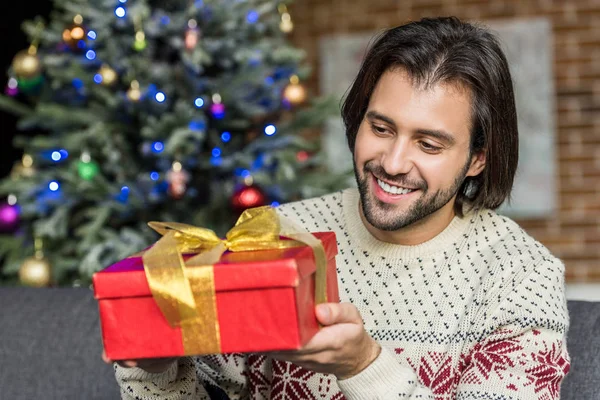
[{"x": 177, "y": 110}]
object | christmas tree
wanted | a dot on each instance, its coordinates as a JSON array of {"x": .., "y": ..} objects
[{"x": 175, "y": 110}]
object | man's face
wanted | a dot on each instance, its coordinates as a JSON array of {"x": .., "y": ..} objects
[{"x": 412, "y": 151}]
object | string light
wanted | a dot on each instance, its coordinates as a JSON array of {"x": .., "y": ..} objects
[
  {"x": 270, "y": 130},
  {"x": 13, "y": 83},
  {"x": 55, "y": 156},
  {"x": 199, "y": 102},
  {"x": 11, "y": 199},
  {"x": 91, "y": 35},
  {"x": 216, "y": 152},
  {"x": 53, "y": 186},
  {"x": 197, "y": 125},
  {"x": 160, "y": 97},
  {"x": 158, "y": 147},
  {"x": 154, "y": 176},
  {"x": 120, "y": 12},
  {"x": 225, "y": 137},
  {"x": 124, "y": 194},
  {"x": 77, "y": 83},
  {"x": 275, "y": 204},
  {"x": 98, "y": 78},
  {"x": 90, "y": 55},
  {"x": 252, "y": 16}
]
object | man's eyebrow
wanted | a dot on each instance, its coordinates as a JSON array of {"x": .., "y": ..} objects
[
  {"x": 440, "y": 135},
  {"x": 371, "y": 115}
]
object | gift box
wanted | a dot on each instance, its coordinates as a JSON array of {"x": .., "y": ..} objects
[{"x": 260, "y": 301}]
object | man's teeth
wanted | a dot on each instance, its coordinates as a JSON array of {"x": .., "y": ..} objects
[{"x": 393, "y": 189}]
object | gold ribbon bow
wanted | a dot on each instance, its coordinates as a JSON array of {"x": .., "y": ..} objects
[{"x": 185, "y": 291}]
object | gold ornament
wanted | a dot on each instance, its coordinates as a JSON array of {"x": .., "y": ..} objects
[
  {"x": 75, "y": 33},
  {"x": 134, "y": 93},
  {"x": 24, "y": 169},
  {"x": 109, "y": 76},
  {"x": 286, "y": 25},
  {"x": 36, "y": 271},
  {"x": 26, "y": 64},
  {"x": 295, "y": 93}
]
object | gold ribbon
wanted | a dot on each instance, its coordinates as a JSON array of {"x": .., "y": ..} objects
[{"x": 185, "y": 291}]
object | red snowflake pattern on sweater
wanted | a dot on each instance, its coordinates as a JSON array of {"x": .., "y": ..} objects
[
  {"x": 550, "y": 368},
  {"x": 259, "y": 384},
  {"x": 291, "y": 382},
  {"x": 487, "y": 358},
  {"x": 437, "y": 372}
]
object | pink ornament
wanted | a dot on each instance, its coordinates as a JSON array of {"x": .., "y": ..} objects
[
  {"x": 9, "y": 218},
  {"x": 218, "y": 110},
  {"x": 11, "y": 92}
]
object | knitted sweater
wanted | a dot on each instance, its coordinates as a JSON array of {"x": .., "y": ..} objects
[{"x": 477, "y": 312}]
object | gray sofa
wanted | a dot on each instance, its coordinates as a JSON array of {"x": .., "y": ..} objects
[{"x": 50, "y": 347}]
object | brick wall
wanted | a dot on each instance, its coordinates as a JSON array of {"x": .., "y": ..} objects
[{"x": 574, "y": 233}]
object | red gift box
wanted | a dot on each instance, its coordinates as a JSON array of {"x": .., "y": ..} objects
[{"x": 264, "y": 299}]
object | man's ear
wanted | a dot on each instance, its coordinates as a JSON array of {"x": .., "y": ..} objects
[{"x": 477, "y": 163}]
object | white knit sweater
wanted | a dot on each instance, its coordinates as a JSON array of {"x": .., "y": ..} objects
[{"x": 478, "y": 312}]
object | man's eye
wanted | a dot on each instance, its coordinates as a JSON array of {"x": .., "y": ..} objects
[
  {"x": 379, "y": 129},
  {"x": 430, "y": 148}
]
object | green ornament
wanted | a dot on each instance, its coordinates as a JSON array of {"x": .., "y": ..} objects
[
  {"x": 139, "y": 45},
  {"x": 140, "y": 41},
  {"x": 87, "y": 170},
  {"x": 30, "y": 85}
]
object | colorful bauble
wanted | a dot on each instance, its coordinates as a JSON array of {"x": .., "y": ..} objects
[
  {"x": 134, "y": 94},
  {"x": 24, "y": 169},
  {"x": 140, "y": 41},
  {"x": 247, "y": 197},
  {"x": 36, "y": 272},
  {"x": 26, "y": 64},
  {"x": 178, "y": 179},
  {"x": 9, "y": 218},
  {"x": 87, "y": 170},
  {"x": 286, "y": 25},
  {"x": 109, "y": 76},
  {"x": 75, "y": 36},
  {"x": 295, "y": 93}
]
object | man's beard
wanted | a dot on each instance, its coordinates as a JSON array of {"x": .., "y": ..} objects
[{"x": 383, "y": 216}]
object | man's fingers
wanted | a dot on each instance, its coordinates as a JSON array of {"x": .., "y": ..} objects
[{"x": 338, "y": 313}]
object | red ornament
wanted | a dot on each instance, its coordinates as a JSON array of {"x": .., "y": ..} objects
[
  {"x": 247, "y": 197},
  {"x": 178, "y": 179},
  {"x": 302, "y": 155}
]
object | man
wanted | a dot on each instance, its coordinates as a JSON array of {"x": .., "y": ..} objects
[{"x": 441, "y": 297}]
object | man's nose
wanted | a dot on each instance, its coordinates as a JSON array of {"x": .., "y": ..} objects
[{"x": 398, "y": 159}]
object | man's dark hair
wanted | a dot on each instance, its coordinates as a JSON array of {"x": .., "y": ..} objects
[{"x": 447, "y": 50}]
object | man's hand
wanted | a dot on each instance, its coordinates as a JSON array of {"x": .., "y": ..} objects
[
  {"x": 342, "y": 347},
  {"x": 152, "y": 365}
]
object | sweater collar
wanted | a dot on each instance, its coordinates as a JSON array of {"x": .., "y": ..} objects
[{"x": 449, "y": 238}]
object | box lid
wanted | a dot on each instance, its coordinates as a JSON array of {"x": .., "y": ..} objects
[{"x": 234, "y": 271}]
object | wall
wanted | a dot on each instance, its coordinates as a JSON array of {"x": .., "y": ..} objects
[{"x": 573, "y": 234}]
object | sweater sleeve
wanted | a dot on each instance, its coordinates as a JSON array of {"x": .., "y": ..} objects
[
  {"x": 520, "y": 352},
  {"x": 386, "y": 379},
  {"x": 188, "y": 378}
]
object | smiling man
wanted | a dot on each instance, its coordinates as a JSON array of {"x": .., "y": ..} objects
[{"x": 442, "y": 298}]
